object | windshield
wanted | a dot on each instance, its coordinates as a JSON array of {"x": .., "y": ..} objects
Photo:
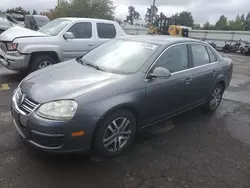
[
  {"x": 41, "y": 21},
  {"x": 54, "y": 27},
  {"x": 120, "y": 56}
]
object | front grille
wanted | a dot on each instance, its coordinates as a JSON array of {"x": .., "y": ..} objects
[{"x": 28, "y": 105}]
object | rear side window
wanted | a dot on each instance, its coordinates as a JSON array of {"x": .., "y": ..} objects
[
  {"x": 82, "y": 30},
  {"x": 105, "y": 30},
  {"x": 200, "y": 55},
  {"x": 211, "y": 55}
]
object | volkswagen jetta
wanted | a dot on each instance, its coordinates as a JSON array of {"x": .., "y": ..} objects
[{"x": 100, "y": 100}]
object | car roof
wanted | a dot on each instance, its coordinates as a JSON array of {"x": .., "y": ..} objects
[
  {"x": 158, "y": 39},
  {"x": 39, "y": 15},
  {"x": 87, "y": 19}
]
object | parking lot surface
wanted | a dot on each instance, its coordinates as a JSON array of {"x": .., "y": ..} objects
[{"x": 191, "y": 150}]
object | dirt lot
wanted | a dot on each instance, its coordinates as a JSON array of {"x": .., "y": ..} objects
[{"x": 200, "y": 151}]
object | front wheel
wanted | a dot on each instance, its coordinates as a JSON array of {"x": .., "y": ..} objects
[
  {"x": 215, "y": 98},
  {"x": 115, "y": 133},
  {"x": 40, "y": 62}
]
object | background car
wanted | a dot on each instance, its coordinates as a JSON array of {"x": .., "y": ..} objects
[
  {"x": 4, "y": 24},
  {"x": 100, "y": 100},
  {"x": 59, "y": 40},
  {"x": 35, "y": 22}
]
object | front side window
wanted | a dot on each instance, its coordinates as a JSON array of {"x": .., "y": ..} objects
[
  {"x": 82, "y": 30},
  {"x": 105, "y": 30},
  {"x": 200, "y": 55},
  {"x": 54, "y": 27},
  {"x": 120, "y": 56},
  {"x": 174, "y": 59}
]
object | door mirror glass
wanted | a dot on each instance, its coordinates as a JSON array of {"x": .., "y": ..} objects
[
  {"x": 68, "y": 35},
  {"x": 159, "y": 72}
]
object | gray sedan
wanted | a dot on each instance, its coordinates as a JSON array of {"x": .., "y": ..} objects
[{"x": 100, "y": 100}]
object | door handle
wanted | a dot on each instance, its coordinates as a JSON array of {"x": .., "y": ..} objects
[
  {"x": 188, "y": 80},
  {"x": 90, "y": 45}
]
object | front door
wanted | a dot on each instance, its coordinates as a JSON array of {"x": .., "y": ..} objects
[
  {"x": 83, "y": 41},
  {"x": 165, "y": 96}
]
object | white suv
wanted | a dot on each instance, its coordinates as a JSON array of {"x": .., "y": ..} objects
[{"x": 62, "y": 39}]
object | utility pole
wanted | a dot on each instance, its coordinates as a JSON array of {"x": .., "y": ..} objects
[{"x": 153, "y": 11}]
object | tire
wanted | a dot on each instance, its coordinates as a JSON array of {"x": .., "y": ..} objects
[
  {"x": 215, "y": 98},
  {"x": 107, "y": 130},
  {"x": 37, "y": 60}
]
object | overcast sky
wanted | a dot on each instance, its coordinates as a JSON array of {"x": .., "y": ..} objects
[{"x": 202, "y": 10}]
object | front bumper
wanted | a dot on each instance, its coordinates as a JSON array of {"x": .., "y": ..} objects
[
  {"x": 54, "y": 136},
  {"x": 14, "y": 60}
]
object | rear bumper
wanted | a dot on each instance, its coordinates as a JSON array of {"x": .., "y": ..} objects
[{"x": 14, "y": 60}]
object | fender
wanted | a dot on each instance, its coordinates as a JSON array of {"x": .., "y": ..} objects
[
  {"x": 220, "y": 78},
  {"x": 42, "y": 48}
]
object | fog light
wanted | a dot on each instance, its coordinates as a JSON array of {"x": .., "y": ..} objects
[{"x": 80, "y": 133}]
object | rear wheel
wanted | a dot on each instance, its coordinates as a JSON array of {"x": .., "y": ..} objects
[
  {"x": 41, "y": 61},
  {"x": 215, "y": 98},
  {"x": 115, "y": 133}
]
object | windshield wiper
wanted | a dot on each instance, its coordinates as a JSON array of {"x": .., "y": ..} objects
[
  {"x": 95, "y": 66},
  {"x": 79, "y": 59}
]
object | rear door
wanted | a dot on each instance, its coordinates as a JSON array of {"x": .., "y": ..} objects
[
  {"x": 204, "y": 71},
  {"x": 105, "y": 31},
  {"x": 83, "y": 41}
]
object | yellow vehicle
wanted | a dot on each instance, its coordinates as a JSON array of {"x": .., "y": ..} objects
[
  {"x": 168, "y": 26},
  {"x": 178, "y": 31},
  {"x": 153, "y": 30}
]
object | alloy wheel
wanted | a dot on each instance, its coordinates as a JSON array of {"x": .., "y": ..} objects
[
  {"x": 117, "y": 134},
  {"x": 44, "y": 64},
  {"x": 216, "y": 98}
]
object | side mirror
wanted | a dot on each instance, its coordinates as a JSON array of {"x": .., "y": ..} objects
[
  {"x": 68, "y": 35},
  {"x": 159, "y": 72}
]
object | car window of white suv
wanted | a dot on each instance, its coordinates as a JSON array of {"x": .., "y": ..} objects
[
  {"x": 81, "y": 30},
  {"x": 105, "y": 30}
]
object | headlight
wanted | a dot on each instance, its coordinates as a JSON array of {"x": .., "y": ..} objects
[
  {"x": 58, "y": 110},
  {"x": 11, "y": 46}
]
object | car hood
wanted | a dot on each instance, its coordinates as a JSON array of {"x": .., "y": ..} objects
[
  {"x": 66, "y": 80},
  {"x": 19, "y": 32},
  {"x": 4, "y": 24}
]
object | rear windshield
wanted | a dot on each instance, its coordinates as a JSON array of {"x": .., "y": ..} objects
[
  {"x": 120, "y": 56},
  {"x": 41, "y": 21}
]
